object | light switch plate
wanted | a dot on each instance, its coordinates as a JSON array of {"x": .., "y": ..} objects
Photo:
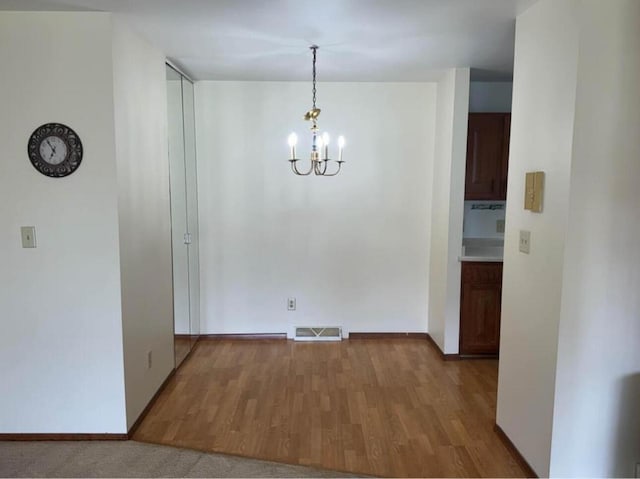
[
  {"x": 28, "y": 236},
  {"x": 525, "y": 241}
]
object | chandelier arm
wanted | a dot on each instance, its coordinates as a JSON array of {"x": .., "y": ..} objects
[
  {"x": 336, "y": 172},
  {"x": 294, "y": 167}
]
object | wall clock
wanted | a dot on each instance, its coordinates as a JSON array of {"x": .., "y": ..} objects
[{"x": 55, "y": 150}]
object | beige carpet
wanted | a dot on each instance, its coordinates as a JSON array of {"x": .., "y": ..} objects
[{"x": 134, "y": 459}]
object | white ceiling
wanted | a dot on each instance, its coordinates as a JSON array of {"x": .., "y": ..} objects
[{"x": 360, "y": 40}]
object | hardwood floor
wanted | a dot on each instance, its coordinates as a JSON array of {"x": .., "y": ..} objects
[{"x": 387, "y": 407}]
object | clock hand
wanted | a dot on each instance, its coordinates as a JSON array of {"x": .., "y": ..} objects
[{"x": 53, "y": 148}]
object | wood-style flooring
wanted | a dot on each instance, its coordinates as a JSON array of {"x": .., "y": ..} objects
[{"x": 384, "y": 407}]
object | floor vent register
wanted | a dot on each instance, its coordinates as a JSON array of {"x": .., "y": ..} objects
[{"x": 319, "y": 334}]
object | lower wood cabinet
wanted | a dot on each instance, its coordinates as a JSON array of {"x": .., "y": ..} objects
[{"x": 480, "y": 308}]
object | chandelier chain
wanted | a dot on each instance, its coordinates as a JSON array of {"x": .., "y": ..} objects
[{"x": 314, "y": 48}]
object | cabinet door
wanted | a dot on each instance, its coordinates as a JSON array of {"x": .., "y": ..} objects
[
  {"x": 480, "y": 308},
  {"x": 505, "y": 157},
  {"x": 485, "y": 154}
]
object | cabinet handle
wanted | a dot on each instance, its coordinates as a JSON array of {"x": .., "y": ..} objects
[{"x": 187, "y": 238}]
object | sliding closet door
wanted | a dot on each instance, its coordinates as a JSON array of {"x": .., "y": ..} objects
[
  {"x": 181, "y": 301},
  {"x": 192, "y": 205},
  {"x": 184, "y": 213}
]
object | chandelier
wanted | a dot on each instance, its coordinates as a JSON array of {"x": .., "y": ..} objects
[{"x": 320, "y": 143}]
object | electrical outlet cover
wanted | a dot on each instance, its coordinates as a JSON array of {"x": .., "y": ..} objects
[{"x": 291, "y": 304}]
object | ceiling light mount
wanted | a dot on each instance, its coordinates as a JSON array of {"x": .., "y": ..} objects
[{"x": 320, "y": 143}]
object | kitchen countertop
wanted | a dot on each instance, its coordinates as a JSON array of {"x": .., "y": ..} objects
[
  {"x": 482, "y": 250},
  {"x": 481, "y": 259}
]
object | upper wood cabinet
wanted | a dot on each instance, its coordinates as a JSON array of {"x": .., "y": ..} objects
[{"x": 487, "y": 156}]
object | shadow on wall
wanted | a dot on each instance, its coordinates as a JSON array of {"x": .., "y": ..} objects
[{"x": 628, "y": 428}]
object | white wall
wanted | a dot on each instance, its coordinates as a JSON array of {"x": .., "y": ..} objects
[
  {"x": 61, "y": 342},
  {"x": 144, "y": 215},
  {"x": 596, "y": 430},
  {"x": 544, "y": 92},
  {"x": 490, "y": 96},
  {"x": 447, "y": 208},
  {"x": 353, "y": 249}
]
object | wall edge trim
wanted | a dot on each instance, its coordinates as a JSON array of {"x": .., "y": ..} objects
[
  {"x": 249, "y": 336},
  {"x": 445, "y": 357},
  {"x": 147, "y": 408},
  {"x": 517, "y": 455},
  {"x": 366, "y": 335},
  {"x": 63, "y": 437}
]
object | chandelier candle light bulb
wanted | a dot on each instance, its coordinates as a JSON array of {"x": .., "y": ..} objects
[
  {"x": 320, "y": 144},
  {"x": 293, "y": 140},
  {"x": 325, "y": 142}
]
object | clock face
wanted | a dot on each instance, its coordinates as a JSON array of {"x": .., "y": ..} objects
[{"x": 55, "y": 150}]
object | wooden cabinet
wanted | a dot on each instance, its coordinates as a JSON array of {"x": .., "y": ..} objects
[
  {"x": 480, "y": 308},
  {"x": 505, "y": 156},
  {"x": 487, "y": 156}
]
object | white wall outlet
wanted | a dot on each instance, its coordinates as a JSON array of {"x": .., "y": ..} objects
[
  {"x": 525, "y": 241},
  {"x": 149, "y": 359},
  {"x": 291, "y": 304},
  {"x": 28, "y": 236}
]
